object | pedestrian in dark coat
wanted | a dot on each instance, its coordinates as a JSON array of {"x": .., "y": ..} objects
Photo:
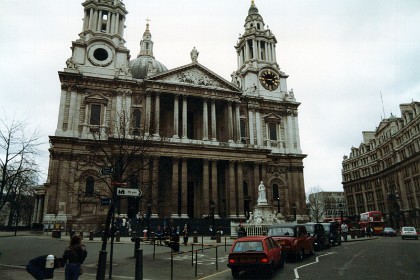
[
  {"x": 73, "y": 258},
  {"x": 37, "y": 267}
]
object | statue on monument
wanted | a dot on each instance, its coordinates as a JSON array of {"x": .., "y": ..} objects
[{"x": 262, "y": 198}]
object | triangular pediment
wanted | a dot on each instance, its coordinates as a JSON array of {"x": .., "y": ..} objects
[
  {"x": 96, "y": 98},
  {"x": 272, "y": 118},
  {"x": 196, "y": 75}
]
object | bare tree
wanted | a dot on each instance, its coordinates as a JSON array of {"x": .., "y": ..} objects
[
  {"x": 315, "y": 202},
  {"x": 18, "y": 148}
]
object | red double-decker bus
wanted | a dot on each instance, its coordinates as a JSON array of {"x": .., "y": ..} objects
[{"x": 374, "y": 220}]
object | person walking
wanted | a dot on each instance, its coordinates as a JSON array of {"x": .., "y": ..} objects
[
  {"x": 185, "y": 234},
  {"x": 73, "y": 258},
  {"x": 344, "y": 231}
]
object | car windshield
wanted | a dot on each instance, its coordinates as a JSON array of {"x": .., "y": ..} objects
[
  {"x": 248, "y": 246},
  {"x": 281, "y": 231},
  {"x": 388, "y": 229},
  {"x": 408, "y": 229},
  {"x": 310, "y": 228},
  {"x": 326, "y": 228}
]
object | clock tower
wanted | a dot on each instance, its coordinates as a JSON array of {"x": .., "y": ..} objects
[{"x": 258, "y": 73}]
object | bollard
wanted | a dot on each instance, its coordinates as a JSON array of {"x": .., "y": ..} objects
[
  {"x": 136, "y": 244},
  {"x": 91, "y": 235},
  {"x": 195, "y": 238},
  {"x": 117, "y": 236},
  {"x": 139, "y": 265},
  {"x": 81, "y": 235}
]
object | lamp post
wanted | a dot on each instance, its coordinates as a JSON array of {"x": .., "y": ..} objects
[
  {"x": 340, "y": 205},
  {"x": 294, "y": 211},
  {"x": 278, "y": 205},
  {"x": 213, "y": 226}
]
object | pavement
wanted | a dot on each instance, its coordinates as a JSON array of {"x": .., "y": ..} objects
[{"x": 10, "y": 272}]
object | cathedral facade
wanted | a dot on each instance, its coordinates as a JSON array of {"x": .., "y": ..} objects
[{"x": 208, "y": 142}]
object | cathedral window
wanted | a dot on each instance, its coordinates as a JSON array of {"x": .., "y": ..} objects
[
  {"x": 243, "y": 131},
  {"x": 104, "y": 21},
  {"x": 276, "y": 194},
  {"x": 90, "y": 186},
  {"x": 272, "y": 131},
  {"x": 95, "y": 114},
  {"x": 136, "y": 121}
]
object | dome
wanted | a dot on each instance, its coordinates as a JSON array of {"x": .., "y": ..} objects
[{"x": 143, "y": 65}]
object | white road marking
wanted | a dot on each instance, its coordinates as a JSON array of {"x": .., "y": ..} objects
[{"x": 316, "y": 261}]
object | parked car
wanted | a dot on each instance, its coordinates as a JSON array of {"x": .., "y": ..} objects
[
  {"x": 333, "y": 231},
  {"x": 408, "y": 232},
  {"x": 317, "y": 231},
  {"x": 294, "y": 240},
  {"x": 389, "y": 231},
  {"x": 254, "y": 253}
]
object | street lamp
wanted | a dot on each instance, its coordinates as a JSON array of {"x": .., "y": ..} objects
[
  {"x": 213, "y": 226},
  {"x": 149, "y": 214},
  {"x": 278, "y": 205},
  {"x": 294, "y": 211},
  {"x": 340, "y": 205}
]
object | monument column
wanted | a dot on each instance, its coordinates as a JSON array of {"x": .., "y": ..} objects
[
  {"x": 232, "y": 190},
  {"x": 175, "y": 189},
  {"x": 205, "y": 210},
  {"x": 205, "y": 120},
  {"x": 176, "y": 116},
  {"x": 214, "y": 193},
  {"x": 213, "y": 120},
  {"x": 184, "y": 181},
  {"x": 184, "y": 117},
  {"x": 241, "y": 210}
]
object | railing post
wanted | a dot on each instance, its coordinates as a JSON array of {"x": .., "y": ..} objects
[{"x": 217, "y": 262}]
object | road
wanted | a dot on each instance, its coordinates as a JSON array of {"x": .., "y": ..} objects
[{"x": 381, "y": 258}]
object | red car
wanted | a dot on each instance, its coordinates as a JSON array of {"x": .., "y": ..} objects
[
  {"x": 294, "y": 239},
  {"x": 254, "y": 253}
]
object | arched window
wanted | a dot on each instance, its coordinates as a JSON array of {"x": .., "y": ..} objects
[
  {"x": 243, "y": 131},
  {"x": 90, "y": 186},
  {"x": 276, "y": 193}
]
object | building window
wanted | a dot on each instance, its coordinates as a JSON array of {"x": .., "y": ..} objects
[
  {"x": 272, "y": 130},
  {"x": 136, "y": 121},
  {"x": 243, "y": 131},
  {"x": 95, "y": 114},
  {"x": 275, "y": 192},
  {"x": 90, "y": 186}
]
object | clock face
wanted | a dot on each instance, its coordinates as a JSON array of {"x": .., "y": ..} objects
[{"x": 269, "y": 79}]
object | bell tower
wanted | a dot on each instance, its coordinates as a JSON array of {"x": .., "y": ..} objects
[
  {"x": 100, "y": 49},
  {"x": 258, "y": 73}
]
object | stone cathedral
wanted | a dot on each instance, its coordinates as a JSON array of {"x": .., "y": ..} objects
[{"x": 222, "y": 138}]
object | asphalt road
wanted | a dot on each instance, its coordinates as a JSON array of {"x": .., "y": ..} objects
[{"x": 381, "y": 258}]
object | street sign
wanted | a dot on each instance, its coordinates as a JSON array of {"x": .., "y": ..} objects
[
  {"x": 128, "y": 192},
  {"x": 107, "y": 170},
  {"x": 119, "y": 183},
  {"x": 106, "y": 201}
]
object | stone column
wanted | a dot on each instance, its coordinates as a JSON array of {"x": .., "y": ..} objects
[
  {"x": 230, "y": 121},
  {"x": 205, "y": 121},
  {"x": 148, "y": 113},
  {"x": 237, "y": 123},
  {"x": 251, "y": 126},
  {"x": 258, "y": 126},
  {"x": 175, "y": 168},
  {"x": 241, "y": 211},
  {"x": 117, "y": 24},
  {"x": 157, "y": 114},
  {"x": 90, "y": 19},
  {"x": 232, "y": 190},
  {"x": 214, "y": 193},
  {"x": 176, "y": 116},
  {"x": 99, "y": 23},
  {"x": 184, "y": 185},
  {"x": 154, "y": 189},
  {"x": 184, "y": 117},
  {"x": 205, "y": 209},
  {"x": 213, "y": 120}
]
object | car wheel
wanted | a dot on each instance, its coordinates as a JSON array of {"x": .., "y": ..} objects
[
  {"x": 312, "y": 252},
  {"x": 270, "y": 270},
  {"x": 235, "y": 273},
  {"x": 299, "y": 256},
  {"x": 282, "y": 261},
  {"x": 402, "y": 237}
]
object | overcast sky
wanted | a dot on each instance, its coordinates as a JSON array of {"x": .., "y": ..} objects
[{"x": 340, "y": 55}]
